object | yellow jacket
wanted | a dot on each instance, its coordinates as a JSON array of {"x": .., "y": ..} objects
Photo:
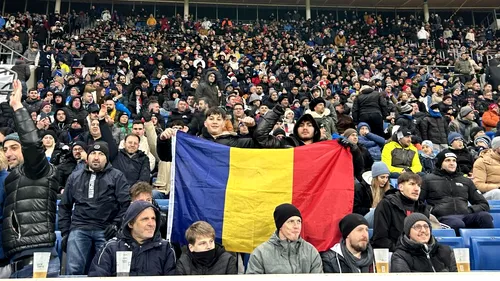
[
  {"x": 416, "y": 166},
  {"x": 151, "y": 21},
  {"x": 486, "y": 171}
]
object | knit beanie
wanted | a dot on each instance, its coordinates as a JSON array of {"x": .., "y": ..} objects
[
  {"x": 315, "y": 102},
  {"x": 13, "y": 137},
  {"x": 453, "y": 137},
  {"x": 428, "y": 143},
  {"x": 51, "y": 133},
  {"x": 474, "y": 131},
  {"x": 464, "y": 111},
  {"x": 443, "y": 155},
  {"x": 379, "y": 168},
  {"x": 350, "y": 222},
  {"x": 279, "y": 131},
  {"x": 405, "y": 109},
  {"x": 81, "y": 144},
  {"x": 495, "y": 143},
  {"x": 349, "y": 132},
  {"x": 99, "y": 146},
  {"x": 283, "y": 212},
  {"x": 412, "y": 219},
  {"x": 484, "y": 139}
]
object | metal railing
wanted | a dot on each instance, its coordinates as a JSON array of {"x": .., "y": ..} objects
[{"x": 6, "y": 50}]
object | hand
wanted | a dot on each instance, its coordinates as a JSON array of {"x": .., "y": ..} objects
[
  {"x": 248, "y": 121},
  {"x": 147, "y": 116},
  {"x": 168, "y": 134},
  {"x": 83, "y": 155},
  {"x": 278, "y": 109},
  {"x": 64, "y": 243},
  {"x": 103, "y": 112},
  {"x": 16, "y": 95},
  {"x": 110, "y": 231}
]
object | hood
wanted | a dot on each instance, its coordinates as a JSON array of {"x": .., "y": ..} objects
[
  {"x": 65, "y": 113},
  {"x": 338, "y": 249},
  {"x": 365, "y": 91},
  {"x": 207, "y": 74},
  {"x": 303, "y": 118},
  {"x": 317, "y": 115},
  {"x": 71, "y": 103},
  {"x": 361, "y": 124},
  {"x": 132, "y": 212}
]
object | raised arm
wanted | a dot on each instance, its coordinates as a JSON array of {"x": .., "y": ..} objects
[{"x": 266, "y": 125}]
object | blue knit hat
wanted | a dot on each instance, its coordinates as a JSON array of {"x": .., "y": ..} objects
[
  {"x": 379, "y": 168},
  {"x": 453, "y": 137}
]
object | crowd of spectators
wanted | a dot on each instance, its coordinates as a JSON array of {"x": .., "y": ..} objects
[{"x": 415, "y": 102}]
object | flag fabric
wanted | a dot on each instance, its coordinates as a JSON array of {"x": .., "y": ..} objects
[{"x": 236, "y": 190}]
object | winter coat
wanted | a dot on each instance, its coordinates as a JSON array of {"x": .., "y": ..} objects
[
  {"x": 90, "y": 59},
  {"x": 32, "y": 105},
  {"x": 74, "y": 113},
  {"x": 465, "y": 160},
  {"x": 135, "y": 167},
  {"x": 104, "y": 206},
  {"x": 29, "y": 207},
  {"x": 363, "y": 198},
  {"x": 463, "y": 127},
  {"x": 208, "y": 90},
  {"x": 490, "y": 120},
  {"x": 450, "y": 194},
  {"x": 463, "y": 67},
  {"x": 428, "y": 162},
  {"x": 434, "y": 128},
  {"x": 22, "y": 70},
  {"x": 154, "y": 257},
  {"x": 487, "y": 171},
  {"x": 398, "y": 158},
  {"x": 185, "y": 117},
  {"x": 374, "y": 143},
  {"x": 369, "y": 102},
  {"x": 326, "y": 119},
  {"x": 389, "y": 218},
  {"x": 335, "y": 262},
  {"x": 223, "y": 263},
  {"x": 409, "y": 122},
  {"x": 278, "y": 256},
  {"x": 411, "y": 256}
]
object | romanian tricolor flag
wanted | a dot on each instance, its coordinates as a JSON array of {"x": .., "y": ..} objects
[{"x": 236, "y": 190}]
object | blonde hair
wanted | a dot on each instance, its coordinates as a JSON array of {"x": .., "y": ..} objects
[
  {"x": 377, "y": 191},
  {"x": 199, "y": 229},
  {"x": 3, "y": 161}
]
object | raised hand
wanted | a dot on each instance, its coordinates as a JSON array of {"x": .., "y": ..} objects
[{"x": 16, "y": 95}]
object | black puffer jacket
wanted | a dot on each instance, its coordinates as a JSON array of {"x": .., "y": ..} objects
[
  {"x": 415, "y": 257},
  {"x": 369, "y": 102},
  {"x": 450, "y": 194},
  {"x": 389, "y": 218},
  {"x": 223, "y": 263},
  {"x": 465, "y": 160},
  {"x": 363, "y": 198},
  {"x": 409, "y": 122},
  {"x": 208, "y": 90},
  {"x": 30, "y": 194},
  {"x": 435, "y": 129},
  {"x": 134, "y": 167}
]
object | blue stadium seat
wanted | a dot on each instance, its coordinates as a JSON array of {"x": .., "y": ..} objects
[
  {"x": 58, "y": 244},
  {"x": 444, "y": 232},
  {"x": 496, "y": 219},
  {"x": 484, "y": 253},
  {"x": 454, "y": 242},
  {"x": 163, "y": 203},
  {"x": 494, "y": 209},
  {"x": 494, "y": 202},
  {"x": 394, "y": 183},
  {"x": 467, "y": 233}
]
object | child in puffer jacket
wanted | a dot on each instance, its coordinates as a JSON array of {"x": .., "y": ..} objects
[
  {"x": 427, "y": 157},
  {"x": 374, "y": 143}
]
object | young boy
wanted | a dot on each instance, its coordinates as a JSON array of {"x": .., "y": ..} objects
[{"x": 427, "y": 157}]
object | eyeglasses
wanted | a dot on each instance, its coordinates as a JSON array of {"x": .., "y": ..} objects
[{"x": 418, "y": 227}]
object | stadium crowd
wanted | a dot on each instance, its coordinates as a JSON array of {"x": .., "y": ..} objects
[{"x": 417, "y": 104}]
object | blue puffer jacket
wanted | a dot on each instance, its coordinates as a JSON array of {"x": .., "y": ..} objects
[
  {"x": 374, "y": 143},
  {"x": 154, "y": 257}
]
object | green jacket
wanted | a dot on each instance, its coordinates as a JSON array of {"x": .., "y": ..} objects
[{"x": 283, "y": 257}]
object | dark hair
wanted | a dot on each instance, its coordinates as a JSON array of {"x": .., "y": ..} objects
[
  {"x": 215, "y": 111},
  {"x": 140, "y": 187},
  {"x": 408, "y": 176},
  {"x": 177, "y": 123},
  {"x": 6, "y": 131},
  {"x": 137, "y": 122},
  {"x": 126, "y": 137}
]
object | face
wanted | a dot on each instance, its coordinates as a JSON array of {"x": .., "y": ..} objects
[
  {"x": 182, "y": 106},
  {"x": 211, "y": 78},
  {"x": 202, "y": 244},
  {"x": 94, "y": 128},
  {"x": 110, "y": 105},
  {"x": 410, "y": 189},
  {"x": 76, "y": 103},
  {"x": 263, "y": 109},
  {"x": 420, "y": 232},
  {"x": 77, "y": 152},
  {"x": 320, "y": 108},
  {"x": 449, "y": 165},
  {"x": 33, "y": 95},
  {"x": 470, "y": 116},
  {"x": 427, "y": 149},
  {"x": 405, "y": 141},
  {"x": 238, "y": 111},
  {"x": 13, "y": 153},
  {"x": 358, "y": 238},
  {"x": 61, "y": 116},
  {"x": 457, "y": 144},
  {"x": 306, "y": 130},
  {"x": 214, "y": 124},
  {"x": 353, "y": 138},
  {"x": 97, "y": 160},
  {"x": 131, "y": 144},
  {"x": 144, "y": 196},
  {"x": 364, "y": 131},
  {"x": 144, "y": 225},
  {"x": 48, "y": 141},
  {"x": 291, "y": 229},
  {"x": 138, "y": 130}
]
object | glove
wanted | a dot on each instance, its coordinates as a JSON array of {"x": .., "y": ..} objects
[
  {"x": 110, "y": 231},
  {"x": 147, "y": 116},
  {"x": 346, "y": 143},
  {"x": 64, "y": 243}
]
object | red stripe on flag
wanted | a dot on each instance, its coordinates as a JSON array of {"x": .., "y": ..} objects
[{"x": 323, "y": 191}]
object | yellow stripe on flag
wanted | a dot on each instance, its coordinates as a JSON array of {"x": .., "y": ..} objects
[{"x": 259, "y": 180}]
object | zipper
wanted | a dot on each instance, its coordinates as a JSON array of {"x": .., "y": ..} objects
[
  {"x": 18, "y": 230},
  {"x": 289, "y": 258},
  {"x": 430, "y": 262}
]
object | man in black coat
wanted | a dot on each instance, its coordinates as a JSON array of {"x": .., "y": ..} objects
[
  {"x": 100, "y": 196},
  {"x": 448, "y": 192},
  {"x": 140, "y": 234},
  {"x": 204, "y": 256},
  {"x": 370, "y": 107},
  {"x": 30, "y": 195},
  {"x": 394, "y": 208},
  {"x": 133, "y": 162}
]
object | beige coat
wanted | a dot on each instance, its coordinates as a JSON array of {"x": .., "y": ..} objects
[{"x": 487, "y": 171}]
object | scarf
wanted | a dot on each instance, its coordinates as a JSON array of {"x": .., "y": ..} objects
[
  {"x": 356, "y": 265},
  {"x": 435, "y": 114},
  {"x": 204, "y": 258}
]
